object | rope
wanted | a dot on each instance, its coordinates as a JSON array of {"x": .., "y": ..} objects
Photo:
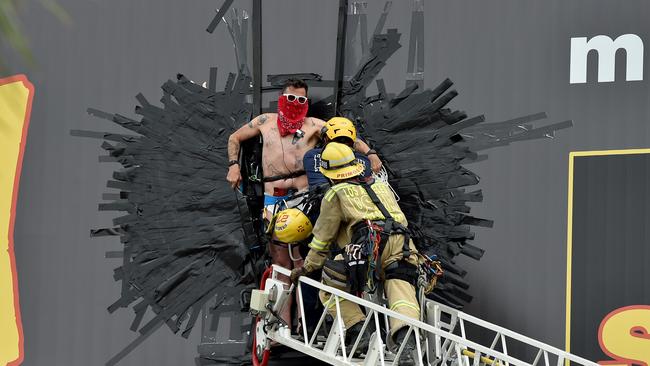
[
  {"x": 372, "y": 249},
  {"x": 430, "y": 270},
  {"x": 382, "y": 176}
]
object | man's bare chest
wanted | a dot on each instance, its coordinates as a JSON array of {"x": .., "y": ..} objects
[{"x": 294, "y": 144}]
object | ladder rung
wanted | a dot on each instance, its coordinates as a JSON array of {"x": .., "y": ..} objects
[{"x": 484, "y": 360}]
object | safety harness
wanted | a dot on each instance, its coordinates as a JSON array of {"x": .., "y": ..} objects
[
  {"x": 363, "y": 254},
  {"x": 274, "y": 178},
  {"x": 390, "y": 227}
]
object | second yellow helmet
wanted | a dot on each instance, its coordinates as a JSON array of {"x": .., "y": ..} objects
[
  {"x": 292, "y": 225},
  {"x": 338, "y": 162},
  {"x": 340, "y": 127}
]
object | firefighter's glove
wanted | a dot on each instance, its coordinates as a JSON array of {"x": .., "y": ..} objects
[
  {"x": 296, "y": 273},
  {"x": 356, "y": 265}
]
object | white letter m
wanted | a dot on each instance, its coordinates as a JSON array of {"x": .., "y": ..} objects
[{"x": 606, "y": 49}]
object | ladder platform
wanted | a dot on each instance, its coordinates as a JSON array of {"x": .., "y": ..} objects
[{"x": 440, "y": 335}]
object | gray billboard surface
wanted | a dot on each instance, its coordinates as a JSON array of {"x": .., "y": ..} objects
[{"x": 507, "y": 58}]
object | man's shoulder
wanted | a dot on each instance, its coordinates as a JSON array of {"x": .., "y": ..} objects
[
  {"x": 263, "y": 120},
  {"x": 267, "y": 116},
  {"x": 315, "y": 122}
]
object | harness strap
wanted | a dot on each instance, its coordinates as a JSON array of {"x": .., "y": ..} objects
[
  {"x": 375, "y": 199},
  {"x": 274, "y": 178},
  {"x": 391, "y": 226},
  {"x": 279, "y": 243},
  {"x": 402, "y": 270}
]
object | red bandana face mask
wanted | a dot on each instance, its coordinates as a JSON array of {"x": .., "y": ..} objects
[{"x": 291, "y": 115}]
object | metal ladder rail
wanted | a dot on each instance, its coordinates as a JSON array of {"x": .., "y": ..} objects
[
  {"x": 459, "y": 343},
  {"x": 335, "y": 341},
  {"x": 328, "y": 353},
  {"x": 502, "y": 334}
]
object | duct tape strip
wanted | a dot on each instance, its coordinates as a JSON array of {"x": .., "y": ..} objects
[
  {"x": 472, "y": 251},
  {"x": 280, "y": 79},
  {"x": 509, "y": 124},
  {"x": 212, "y": 83},
  {"x": 110, "y": 196},
  {"x": 106, "y": 232},
  {"x": 196, "y": 311},
  {"x": 230, "y": 81},
  {"x": 419, "y": 29},
  {"x": 143, "y": 101},
  {"x": 363, "y": 32},
  {"x": 352, "y": 23},
  {"x": 243, "y": 40},
  {"x": 140, "y": 310},
  {"x": 381, "y": 87},
  {"x": 103, "y": 135},
  {"x": 412, "y": 45},
  {"x": 99, "y": 114},
  {"x": 220, "y": 14},
  {"x": 382, "y": 19},
  {"x": 124, "y": 352}
]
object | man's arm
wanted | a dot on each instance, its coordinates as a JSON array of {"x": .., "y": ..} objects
[
  {"x": 325, "y": 232},
  {"x": 362, "y": 147},
  {"x": 247, "y": 131},
  {"x": 359, "y": 145},
  {"x": 316, "y": 123}
]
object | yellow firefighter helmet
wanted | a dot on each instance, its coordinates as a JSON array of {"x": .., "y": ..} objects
[
  {"x": 292, "y": 225},
  {"x": 340, "y": 127},
  {"x": 338, "y": 162}
]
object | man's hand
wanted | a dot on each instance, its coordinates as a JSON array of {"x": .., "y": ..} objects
[
  {"x": 296, "y": 273},
  {"x": 362, "y": 147},
  {"x": 375, "y": 163},
  {"x": 245, "y": 132},
  {"x": 234, "y": 176}
]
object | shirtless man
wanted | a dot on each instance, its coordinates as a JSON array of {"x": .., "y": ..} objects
[{"x": 287, "y": 135}]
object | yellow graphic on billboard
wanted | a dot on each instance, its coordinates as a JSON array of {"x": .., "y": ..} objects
[
  {"x": 16, "y": 94},
  {"x": 623, "y": 336}
]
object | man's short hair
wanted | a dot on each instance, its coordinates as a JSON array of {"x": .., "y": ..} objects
[{"x": 294, "y": 83}]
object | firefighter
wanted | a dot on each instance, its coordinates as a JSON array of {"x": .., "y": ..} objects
[
  {"x": 352, "y": 212},
  {"x": 337, "y": 129}
]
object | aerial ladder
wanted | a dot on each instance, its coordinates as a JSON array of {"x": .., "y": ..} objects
[{"x": 441, "y": 335}]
